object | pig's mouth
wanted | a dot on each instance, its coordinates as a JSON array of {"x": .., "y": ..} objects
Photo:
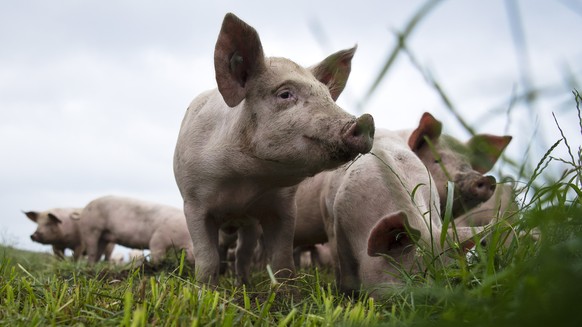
[
  {"x": 336, "y": 153},
  {"x": 37, "y": 238}
]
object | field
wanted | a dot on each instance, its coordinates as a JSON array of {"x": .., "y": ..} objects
[
  {"x": 525, "y": 280},
  {"x": 519, "y": 283}
]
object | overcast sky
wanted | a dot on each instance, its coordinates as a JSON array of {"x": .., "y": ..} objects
[{"x": 92, "y": 93}]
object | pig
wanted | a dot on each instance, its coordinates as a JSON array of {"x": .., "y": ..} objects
[
  {"x": 451, "y": 160},
  {"x": 243, "y": 147},
  {"x": 134, "y": 224},
  {"x": 380, "y": 212},
  {"x": 59, "y": 227}
]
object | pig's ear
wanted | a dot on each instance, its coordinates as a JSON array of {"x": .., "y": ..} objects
[
  {"x": 392, "y": 236},
  {"x": 75, "y": 215},
  {"x": 485, "y": 150},
  {"x": 238, "y": 57},
  {"x": 334, "y": 71},
  {"x": 429, "y": 127},
  {"x": 32, "y": 215},
  {"x": 54, "y": 219}
]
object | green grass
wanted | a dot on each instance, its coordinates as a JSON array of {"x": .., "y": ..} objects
[{"x": 527, "y": 283}]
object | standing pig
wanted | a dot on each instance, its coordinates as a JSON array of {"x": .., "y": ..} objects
[
  {"x": 134, "y": 224},
  {"x": 243, "y": 147},
  {"x": 463, "y": 163},
  {"x": 59, "y": 227},
  {"x": 380, "y": 212}
]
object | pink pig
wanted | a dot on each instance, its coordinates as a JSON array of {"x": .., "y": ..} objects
[{"x": 243, "y": 147}]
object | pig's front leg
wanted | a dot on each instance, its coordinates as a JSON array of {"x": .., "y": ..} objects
[
  {"x": 78, "y": 252},
  {"x": 204, "y": 232},
  {"x": 91, "y": 245},
  {"x": 347, "y": 264}
]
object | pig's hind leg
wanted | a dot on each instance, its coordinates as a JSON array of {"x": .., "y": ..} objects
[
  {"x": 278, "y": 232},
  {"x": 246, "y": 244}
]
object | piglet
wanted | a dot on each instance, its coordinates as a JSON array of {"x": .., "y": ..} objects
[
  {"x": 243, "y": 148},
  {"x": 134, "y": 224},
  {"x": 59, "y": 227},
  {"x": 380, "y": 213}
]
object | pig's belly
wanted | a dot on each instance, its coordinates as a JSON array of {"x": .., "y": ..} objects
[{"x": 130, "y": 238}]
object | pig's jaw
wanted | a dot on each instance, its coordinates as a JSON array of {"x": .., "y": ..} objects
[{"x": 337, "y": 154}]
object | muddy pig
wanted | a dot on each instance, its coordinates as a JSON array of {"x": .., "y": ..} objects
[
  {"x": 135, "y": 224},
  {"x": 243, "y": 147},
  {"x": 451, "y": 160},
  {"x": 59, "y": 227}
]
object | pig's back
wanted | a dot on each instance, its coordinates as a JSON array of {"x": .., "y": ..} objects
[{"x": 128, "y": 222}]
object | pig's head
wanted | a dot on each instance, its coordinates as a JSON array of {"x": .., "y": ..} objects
[
  {"x": 49, "y": 229},
  {"x": 288, "y": 113},
  {"x": 401, "y": 243},
  {"x": 465, "y": 164}
]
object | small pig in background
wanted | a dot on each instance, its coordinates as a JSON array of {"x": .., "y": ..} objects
[
  {"x": 243, "y": 148},
  {"x": 59, "y": 227},
  {"x": 134, "y": 224},
  {"x": 451, "y": 160}
]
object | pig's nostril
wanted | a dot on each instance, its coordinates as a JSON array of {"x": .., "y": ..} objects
[{"x": 360, "y": 134}]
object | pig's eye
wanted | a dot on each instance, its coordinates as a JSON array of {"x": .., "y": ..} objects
[{"x": 285, "y": 95}]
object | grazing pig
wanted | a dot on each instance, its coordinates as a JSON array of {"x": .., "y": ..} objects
[
  {"x": 243, "y": 148},
  {"x": 135, "y": 224},
  {"x": 59, "y": 227},
  {"x": 451, "y": 160},
  {"x": 378, "y": 211},
  {"x": 463, "y": 163}
]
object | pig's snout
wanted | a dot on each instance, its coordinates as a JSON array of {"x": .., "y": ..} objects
[
  {"x": 484, "y": 187},
  {"x": 359, "y": 134},
  {"x": 35, "y": 237}
]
